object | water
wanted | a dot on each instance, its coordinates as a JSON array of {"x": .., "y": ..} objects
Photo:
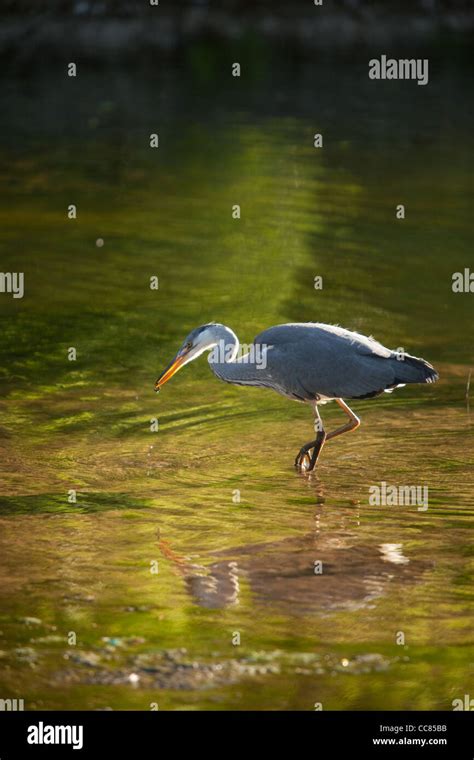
[{"x": 168, "y": 500}]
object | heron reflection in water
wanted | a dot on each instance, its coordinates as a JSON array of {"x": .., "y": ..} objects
[{"x": 318, "y": 572}]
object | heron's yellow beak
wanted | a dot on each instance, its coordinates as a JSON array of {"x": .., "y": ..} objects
[{"x": 170, "y": 370}]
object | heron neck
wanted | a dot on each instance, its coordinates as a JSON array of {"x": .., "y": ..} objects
[{"x": 223, "y": 359}]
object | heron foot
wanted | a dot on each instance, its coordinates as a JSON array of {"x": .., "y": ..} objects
[{"x": 304, "y": 460}]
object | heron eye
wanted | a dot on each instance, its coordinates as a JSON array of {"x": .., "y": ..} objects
[{"x": 188, "y": 345}]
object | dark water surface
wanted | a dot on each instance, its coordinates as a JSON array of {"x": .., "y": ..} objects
[{"x": 228, "y": 567}]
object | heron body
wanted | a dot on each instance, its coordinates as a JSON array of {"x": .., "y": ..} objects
[{"x": 309, "y": 362}]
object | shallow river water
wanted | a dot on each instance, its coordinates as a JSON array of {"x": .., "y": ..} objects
[{"x": 185, "y": 540}]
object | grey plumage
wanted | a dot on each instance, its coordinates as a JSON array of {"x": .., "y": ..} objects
[{"x": 313, "y": 359}]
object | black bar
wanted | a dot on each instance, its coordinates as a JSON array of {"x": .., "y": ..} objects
[{"x": 142, "y": 734}]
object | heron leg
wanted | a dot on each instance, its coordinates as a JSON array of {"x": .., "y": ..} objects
[
  {"x": 318, "y": 445},
  {"x": 353, "y": 423},
  {"x": 315, "y": 445},
  {"x": 322, "y": 436}
]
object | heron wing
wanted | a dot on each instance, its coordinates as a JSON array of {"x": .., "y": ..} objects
[{"x": 307, "y": 360}]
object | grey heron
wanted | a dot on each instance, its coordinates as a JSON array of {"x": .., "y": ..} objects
[{"x": 309, "y": 362}]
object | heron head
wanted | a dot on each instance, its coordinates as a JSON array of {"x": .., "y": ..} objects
[{"x": 199, "y": 340}]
